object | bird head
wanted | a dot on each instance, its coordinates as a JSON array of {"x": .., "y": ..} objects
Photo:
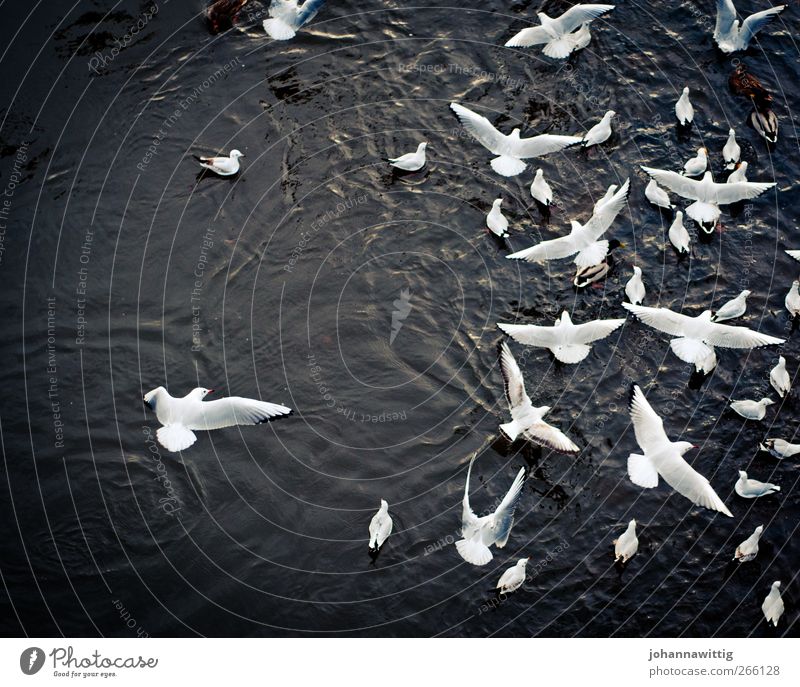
[
  {"x": 539, "y": 173},
  {"x": 384, "y": 505},
  {"x": 760, "y": 529},
  {"x": 565, "y": 318},
  {"x": 632, "y": 524},
  {"x": 637, "y": 270},
  {"x": 705, "y": 315},
  {"x": 684, "y": 446},
  {"x": 745, "y": 293},
  {"x": 235, "y": 154},
  {"x": 497, "y": 203},
  {"x": 514, "y": 135},
  {"x": 767, "y": 401},
  {"x": 523, "y": 562},
  {"x": 742, "y": 474},
  {"x": 686, "y": 90},
  {"x": 200, "y": 393},
  {"x": 776, "y": 584},
  {"x": 422, "y": 146}
]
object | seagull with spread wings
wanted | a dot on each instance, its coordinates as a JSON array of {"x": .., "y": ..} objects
[
  {"x": 510, "y": 149},
  {"x": 728, "y": 33}
]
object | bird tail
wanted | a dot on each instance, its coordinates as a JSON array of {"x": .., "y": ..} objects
[
  {"x": 511, "y": 429},
  {"x": 201, "y": 160},
  {"x": 473, "y": 551},
  {"x": 175, "y": 437},
  {"x": 559, "y": 48},
  {"x": 571, "y": 353},
  {"x": 278, "y": 29},
  {"x": 704, "y": 213},
  {"x": 508, "y": 166},
  {"x": 642, "y": 471},
  {"x": 690, "y": 350}
]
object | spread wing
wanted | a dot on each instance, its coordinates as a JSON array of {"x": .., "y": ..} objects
[
  {"x": 684, "y": 479},
  {"x": 234, "y": 410},
  {"x": 755, "y": 22},
  {"x": 729, "y": 336},
  {"x": 543, "y": 144},
  {"x": 580, "y": 14},
  {"x": 677, "y": 183},
  {"x": 606, "y": 212},
  {"x": 532, "y": 335},
  {"x": 503, "y": 517},
  {"x": 551, "y": 437},
  {"x": 307, "y": 12},
  {"x": 512, "y": 378},
  {"x": 726, "y": 15},
  {"x": 662, "y": 319},
  {"x": 724, "y": 194},
  {"x": 533, "y": 35},
  {"x": 647, "y": 425},
  {"x": 593, "y": 331},
  {"x": 481, "y": 128},
  {"x": 562, "y": 247}
]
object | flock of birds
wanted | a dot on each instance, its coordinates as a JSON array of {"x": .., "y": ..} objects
[{"x": 693, "y": 339}]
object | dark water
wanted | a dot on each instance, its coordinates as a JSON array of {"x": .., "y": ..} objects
[{"x": 282, "y": 284}]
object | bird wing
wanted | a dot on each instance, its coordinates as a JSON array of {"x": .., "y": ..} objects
[
  {"x": 577, "y": 15},
  {"x": 677, "y": 183},
  {"x": 533, "y": 35},
  {"x": 662, "y": 319},
  {"x": 532, "y": 334},
  {"x": 593, "y": 254},
  {"x": 604, "y": 215},
  {"x": 724, "y": 194},
  {"x": 512, "y": 378},
  {"x": 684, "y": 479},
  {"x": 562, "y": 247},
  {"x": 469, "y": 520},
  {"x": 647, "y": 424},
  {"x": 234, "y": 410},
  {"x": 542, "y": 145},
  {"x": 481, "y": 128},
  {"x": 503, "y": 517},
  {"x": 729, "y": 336},
  {"x": 726, "y": 15},
  {"x": 550, "y": 437},
  {"x": 755, "y": 22},
  {"x": 593, "y": 331},
  {"x": 308, "y": 10}
]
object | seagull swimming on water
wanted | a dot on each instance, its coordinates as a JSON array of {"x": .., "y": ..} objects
[
  {"x": 729, "y": 35},
  {"x": 748, "y": 549},
  {"x": 287, "y": 17},
  {"x": 560, "y": 35},
  {"x": 410, "y": 162},
  {"x": 568, "y": 342},
  {"x": 525, "y": 418},
  {"x": 634, "y": 289},
  {"x": 479, "y": 533},
  {"x": 658, "y": 196},
  {"x": 751, "y": 488},
  {"x": 780, "y": 448},
  {"x": 683, "y": 108},
  {"x": 600, "y": 132},
  {"x": 496, "y": 221},
  {"x": 510, "y": 149},
  {"x": 540, "y": 189},
  {"x": 696, "y": 165},
  {"x": 512, "y": 578},
  {"x": 380, "y": 527},
  {"x": 180, "y": 416},
  {"x": 735, "y": 307},
  {"x": 665, "y": 458},
  {"x": 223, "y": 165},
  {"x": 772, "y": 608},
  {"x": 752, "y": 410},
  {"x": 779, "y": 378},
  {"x": 731, "y": 151},
  {"x": 627, "y": 544},
  {"x": 678, "y": 234}
]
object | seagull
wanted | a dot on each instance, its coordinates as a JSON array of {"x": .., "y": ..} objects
[
  {"x": 664, "y": 457},
  {"x": 610, "y": 191},
  {"x": 287, "y": 16},
  {"x": 752, "y": 410},
  {"x": 525, "y": 418},
  {"x": 657, "y": 195},
  {"x": 707, "y": 194},
  {"x": 182, "y": 415},
  {"x": 772, "y": 608},
  {"x": 512, "y": 578},
  {"x": 224, "y": 166},
  {"x": 511, "y": 149},
  {"x": 697, "y": 336},
  {"x": 697, "y": 165},
  {"x": 380, "y": 527},
  {"x": 779, "y": 378},
  {"x": 540, "y": 189},
  {"x": 780, "y": 448},
  {"x": 731, "y": 150},
  {"x": 479, "y": 533},
  {"x": 731, "y": 37},
  {"x": 627, "y": 544},
  {"x": 752, "y": 488},
  {"x": 582, "y": 239},
  {"x": 678, "y": 234},
  {"x": 792, "y": 300},
  {"x": 600, "y": 132},
  {"x": 748, "y": 549},
  {"x": 634, "y": 289},
  {"x": 683, "y": 108},
  {"x": 560, "y": 35},
  {"x": 410, "y": 162},
  {"x": 739, "y": 174},
  {"x": 496, "y": 221},
  {"x": 568, "y": 342},
  {"x": 734, "y": 308}
]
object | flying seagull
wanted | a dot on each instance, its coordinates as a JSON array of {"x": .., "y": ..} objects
[
  {"x": 729, "y": 35},
  {"x": 182, "y": 415},
  {"x": 510, "y": 150},
  {"x": 288, "y": 16}
]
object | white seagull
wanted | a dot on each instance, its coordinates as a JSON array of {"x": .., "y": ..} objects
[
  {"x": 772, "y": 608},
  {"x": 657, "y": 195},
  {"x": 560, "y": 35},
  {"x": 512, "y": 578},
  {"x": 752, "y": 488},
  {"x": 540, "y": 189},
  {"x": 748, "y": 549},
  {"x": 696, "y": 165},
  {"x": 706, "y": 193},
  {"x": 752, "y": 410},
  {"x": 678, "y": 234},
  {"x": 733, "y": 308},
  {"x": 664, "y": 457},
  {"x": 222, "y": 165},
  {"x": 380, "y": 527},
  {"x": 634, "y": 289},
  {"x": 779, "y": 378},
  {"x": 731, "y": 150},
  {"x": 729, "y": 36},
  {"x": 510, "y": 150},
  {"x": 288, "y": 16},
  {"x": 627, "y": 544},
  {"x": 525, "y": 418},
  {"x": 496, "y": 220},
  {"x": 793, "y": 254},
  {"x": 410, "y": 162},
  {"x": 600, "y": 132},
  {"x": 479, "y": 533},
  {"x": 582, "y": 239},
  {"x": 780, "y": 448},
  {"x": 683, "y": 108},
  {"x": 182, "y": 415},
  {"x": 792, "y": 300},
  {"x": 739, "y": 174},
  {"x": 568, "y": 342},
  {"x": 697, "y": 336}
]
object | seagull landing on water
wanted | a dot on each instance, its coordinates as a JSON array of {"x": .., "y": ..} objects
[
  {"x": 224, "y": 166},
  {"x": 380, "y": 527},
  {"x": 729, "y": 35},
  {"x": 510, "y": 150},
  {"x": 665, "y": 458},
  {"x": 561, "y": 35},
  {"x": 627, "y": 545},
  {"x": 752, "y": 488},
  {"x": 513, "y": 578},
  {"x": 748, "y": 549},
  {"x": 568, "y": 342},
  {"x": 683, "y": 108},
  {"x": 479, "y": 533},
  {"x": 525, "y": 418},
  {"x": 410, "y": 162},
  {"x": 772, "y": 608},
  {"x": 180, "y": 416},
  {"x": 288, "y": 16}
]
